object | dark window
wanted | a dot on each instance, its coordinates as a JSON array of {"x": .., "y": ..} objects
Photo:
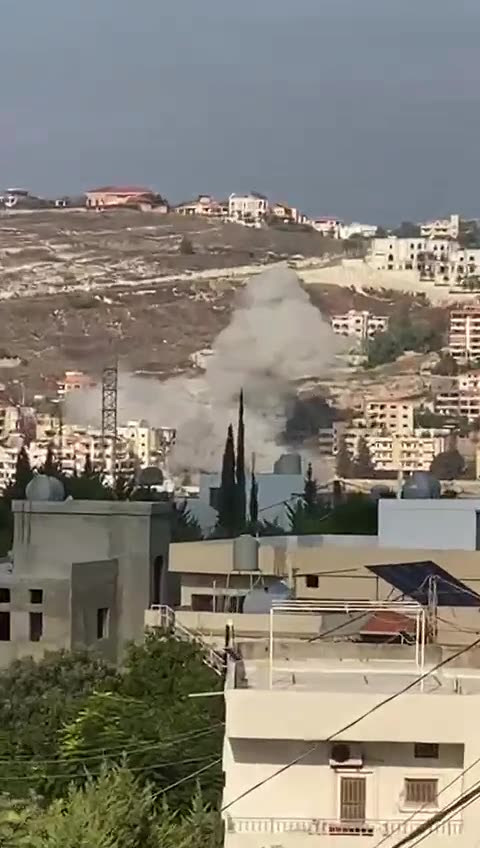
[
  {"x": 36, "y": 596},
  {"x": 214, "y": 499},
  {"x": 4, "y": 627},
  {"x": 36, "y": 626},
  {"x": 426, "y": 751},
  {"x": 421, "y": 791},
  {"x": 4, "y": 596},
  {"x": 202, "y": 603},
  {"x": 103, "y": 622},
  {"x": 311, "y": 581}
]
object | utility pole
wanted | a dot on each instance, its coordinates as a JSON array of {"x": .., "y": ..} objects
[{"x": 109, "y": 415}]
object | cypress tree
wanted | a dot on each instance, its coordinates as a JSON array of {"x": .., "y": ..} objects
[
  {"x": 23, "y": 475},
  {"x": 227, "y": 507},
  {"x": 253, "y": 504},
  {"x": 344, "y": 460},
  {"x": 310, "y": 492},
  {"x": 240, "y": 467},
  {"x": 363, "y": 466}
]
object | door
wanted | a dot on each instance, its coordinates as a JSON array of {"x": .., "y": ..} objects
[{"x": 352, "y": 799}]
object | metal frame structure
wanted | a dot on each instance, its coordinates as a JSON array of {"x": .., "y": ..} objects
[
  {"x": 409, "y": 608},
  {"x": 109, "y": 415}
]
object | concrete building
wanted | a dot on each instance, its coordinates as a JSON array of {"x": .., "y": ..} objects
[
  {"x": 330, "y": 227},
  {"x": 395, "y": 416},
  {"x": 115, "y": 196},
  {"x": 288, "y": 214},
  {"x": 82, "y": 574},
  {"x": 75, "y": 381},
  {"x": 361, "y": 325},
  {"x": 366, "y": 231},
  {"x": 457, "y": 403},
  {"x": 440, "y": 260},
  {"x": 251, "y": 207},
  {"x": 441, "y": 228},
  {"x": 205, "y": 206},
  {"x": 464, "y": 333},
  {"x": 392, "y": 452}
]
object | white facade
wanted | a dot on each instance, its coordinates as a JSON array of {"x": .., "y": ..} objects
[
  {"x": 328, "y": 227},
  {"x": 361, "y": 325},
  {"x": 441, "y": 228},
  {"x": 413, "y": 451},
  {"x": 367, "y": 231},
  {"x": 440, "y": 260},
  {"x": 247, "y": 207}
]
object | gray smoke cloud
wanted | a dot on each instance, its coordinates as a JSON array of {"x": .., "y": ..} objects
[{"x": 275, "y": 337}]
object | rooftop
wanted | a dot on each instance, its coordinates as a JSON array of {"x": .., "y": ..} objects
[{"x": 120, "y": 190}]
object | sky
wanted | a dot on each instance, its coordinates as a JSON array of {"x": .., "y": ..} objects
[{"x": 363, "y": 109}]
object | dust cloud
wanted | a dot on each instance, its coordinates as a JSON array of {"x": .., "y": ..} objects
[{"x": 275, "y": 337}]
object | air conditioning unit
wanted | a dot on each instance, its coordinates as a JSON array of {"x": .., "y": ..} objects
[{"x": 345, "y": 755}]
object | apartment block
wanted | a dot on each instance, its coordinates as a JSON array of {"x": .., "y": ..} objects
[
  {"x": 464, "y": 333},
  {"x": 441, "y": 228},
  {"x": 247, "y": 207},
  {"x": 436, "y": 259},
  {"x": 330, "y": 227},
  {"x": 393, "y": 452},
  {"x": 465, "y": 404},
  {"x": 393, "y": 416},
  {"x": 361, "y": 325}
]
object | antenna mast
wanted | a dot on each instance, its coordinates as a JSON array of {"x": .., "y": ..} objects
[{"x": 109, "y": 415}]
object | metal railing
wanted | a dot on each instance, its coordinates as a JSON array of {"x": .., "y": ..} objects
[
  {"x": 331, "y": 827},
  {"x": 167, "y": 621}
]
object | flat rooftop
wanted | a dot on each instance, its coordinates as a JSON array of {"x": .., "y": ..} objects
[{"x": 359, "y": 676}]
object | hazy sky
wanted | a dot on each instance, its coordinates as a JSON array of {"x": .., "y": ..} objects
[{"x": 366, "y": 109}]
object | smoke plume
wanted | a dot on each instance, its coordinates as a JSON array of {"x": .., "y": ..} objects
[{"x": 275, "y": 337}]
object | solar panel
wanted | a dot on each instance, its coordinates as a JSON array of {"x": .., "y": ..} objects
[{"x": 415, "y": 579}]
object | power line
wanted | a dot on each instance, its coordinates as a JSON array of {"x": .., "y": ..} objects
[
  {"x": 188, "y": 777},
  {"x": 353, "y": 723},
  {"x": 433, "y": 823},
  {"x": 70, "y": 776},
  {"x": 426, "y": 805},
  {"x": 116, "y": 750}
]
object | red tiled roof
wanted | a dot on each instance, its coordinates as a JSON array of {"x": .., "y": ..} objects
[
  {"x": 127, "y": 190},
  {"x": 389, "y": 622}
]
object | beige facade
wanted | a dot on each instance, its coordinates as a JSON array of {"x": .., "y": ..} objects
[
  {"x": 247, "y": 207},
  {"x": 441, "y": 228},
  {"x": 205, "y": 206},
  {"x": 436, "y": 259},
  {"x": 464, "y": 333},
  {"x": 361, "y": 325},
  {"x": 395, "y": 416},
  {"x": 113, "y": 196}
]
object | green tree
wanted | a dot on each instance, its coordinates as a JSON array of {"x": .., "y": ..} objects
[
  {"x": 51, "y": 467},
  {"x": 253, "y": 502},
  {"x": 363, "y": 466},
  {"x": 227, "y": 510},
  {"x": 407, "y": 229},
  {"x": 23, "y": 475},
  {"x": 447, "y": 366},
  {"x": 344, "y": 465},
  {"x": 241, "y": 507},
  {"x": 186, "y": 247},
  {"x": 381, "y": 232},
  {"x": 310, "y": 493}
]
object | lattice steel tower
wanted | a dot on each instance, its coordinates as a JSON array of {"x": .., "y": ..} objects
[{"x": 109, "y": 415}]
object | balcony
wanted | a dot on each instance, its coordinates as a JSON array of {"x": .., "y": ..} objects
[{"x": 333, "y": 827}]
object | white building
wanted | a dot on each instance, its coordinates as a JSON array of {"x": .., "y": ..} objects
[
  {"x": 361, "y": 325},
  {"x": 395, "y": 416},
  {"x": 330, "y": 227},
  {"x": 367, "y": 231},
  {"x": 247, "y": 207},
  {"x": 385, "y": 769},
  {"x": 205, "y": 206},
  {"x": 441, "y": 228},
  {"x": 393, "y": 452},
  {"x": 439, "y": 260}
]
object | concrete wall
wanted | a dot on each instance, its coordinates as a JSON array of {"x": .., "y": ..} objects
[
  {"x": 94, "y": 585},
  {"x": 444, "y": 524}
]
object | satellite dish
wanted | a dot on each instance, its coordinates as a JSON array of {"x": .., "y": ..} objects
[
  {"x": 44, "y": 488},
  {"x": 421, "y": 484},
  {"x": 150, "y": 476},
  {"x": 260, "y": 599}
]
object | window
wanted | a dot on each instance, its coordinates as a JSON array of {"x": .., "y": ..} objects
[
  {"x": 426, "y": 751},
  {"x": 4, "y": 627},
  {"x": 202, "y": 603},
  {"x": 420, "y": 792},
  {"x": 311, "y": 581},
  {"x": 36, "y": 626},
  {"x": 4, "y": 596},
  {"x": 36, "y": 596},
  {"x": 103, "y": 622},
  {"x": 352, "y": 799}
]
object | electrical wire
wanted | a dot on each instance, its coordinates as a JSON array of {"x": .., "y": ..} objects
[
  {"x": 70, "y": 776},
  {"x": 353, "y": 723},
  {"x": 426, "y": 805},
  {"x": 437, "y": 819},
  {"x": 188, "y": 777},
  {"x": 117, "y": 750}
]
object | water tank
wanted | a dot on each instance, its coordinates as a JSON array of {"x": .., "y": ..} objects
[
  {"x": 288, "y": 463},
  {"x": 245, "y": 553},
  {"x": 44, "y": 488},
  {"x": 260, "y": 599},
  {"x": 421, "y": 484}
]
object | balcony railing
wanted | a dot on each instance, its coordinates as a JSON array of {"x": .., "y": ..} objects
[{"x": 334, "y": 827}]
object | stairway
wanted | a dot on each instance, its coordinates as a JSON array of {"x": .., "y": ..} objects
[{"x": 167, "y": 621}]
